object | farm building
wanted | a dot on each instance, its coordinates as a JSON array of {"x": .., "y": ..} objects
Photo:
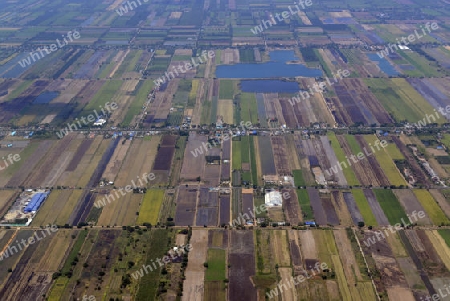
[
  {"x": 273, "y": 199},
  {"x": 36, "y": 202},
  {"x": 271, "y": 179}
]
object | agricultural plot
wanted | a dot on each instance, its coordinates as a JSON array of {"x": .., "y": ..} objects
[
  {"x": 363, "y": 207},
  {"x": 401, "y": 100},
  {"x": 207, "y": 208},
  {"x": 266, "y": 156},
  {"x": 410, "y": 203},
  {"x": 242, "y": 261},
  {"x": 388, "y": 166},
  {"x": 340, "y": 157},
  {"x": 431, "y": 207},
  {"x": 151, "y": 205},
  {"x": 186, "y": 206},
  {"x": 391, "y": 206}
]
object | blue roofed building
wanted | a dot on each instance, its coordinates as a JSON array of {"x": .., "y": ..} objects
[{"x": 36, "y": 202}]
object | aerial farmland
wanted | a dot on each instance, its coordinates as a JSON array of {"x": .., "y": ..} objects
[{"x": 224, "y": 150}]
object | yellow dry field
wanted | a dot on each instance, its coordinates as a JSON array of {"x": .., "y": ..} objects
[
  {"x": 115, "y": 163},
  {"x": 114, "y": 5},
  {"x": 290, "y": 293},
  {"x": 308, "y": 245},
  {"x": 440, "y": 246},
  {"x": 396, "y": 245},
  {"x": 72, "y": 178},
  {"x": 57, "y": 208},
  {"x": 24, "y": 120},
  {"x": 180, "y": 240},
  {"x": 5, "y": 195},
  {"x": 139, "y": 160},
  {"x": 342, "y": 211},
  {"x": 62, "y": 162},
  {"x": 400, "y": 293},
  {"x": 195, "y": 271},
  {"x": 440, "y": 199},
  {"x": 91, "y": 165},
  {"x": 351, "y": 267},
  {"x": 304, "y": 18},
  {"x": 54, "y": 256},
  {"x": 121, "y": 211},
  {"x": 119, "y": 60},
  {"x": 340, "y": 277},
  {"x": 183, "y": 51},
  {"x": 225, "y": 109},
  {"x": 341, "y": 14},
  {"x": 326, "y": 54},
  {"x": 69, "y": 206},
  {"x": 175, "y": 15},
  {"x": 280, "y": 248}
]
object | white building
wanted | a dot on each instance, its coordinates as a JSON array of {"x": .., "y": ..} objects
[
  {"x": 100, "y": 122},
  {"x": 273, "y": 199}
]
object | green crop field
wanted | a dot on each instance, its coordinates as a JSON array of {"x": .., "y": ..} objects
[
  {"x": 394, "y": 152},
  {"x": 298, "y": 178},
  {"x": 400, "y": 99},
  {"x": 305, "y": 205},
  {"x": 150, "y": 207},
  {"x": 236, "y": 155},
  {"x": 445, "y": 233},
  {"x": 226, "y": 90},
  {"x": 386, "y": 163},
  {"x": 249, "y": 109},
  {"x": 390, "y": 205},
  {"x": 148, "y": 285},
  {"x": 245, "y": 149},
  {"x": 433, "y": 210},
  {"x": 253, "y": 161},
  {"x": 104, "y": 95},
  {"x": 364, "y": 208},
  {"x": 143, "y": 89},
  {"x": 216, "y": 270}
]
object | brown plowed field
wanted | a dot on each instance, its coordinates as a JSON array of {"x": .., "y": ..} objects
[
  {"x": 242, "y": 266},
  {"x": 291, "y": 207},
  {"x": 280, "y": 156}
]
